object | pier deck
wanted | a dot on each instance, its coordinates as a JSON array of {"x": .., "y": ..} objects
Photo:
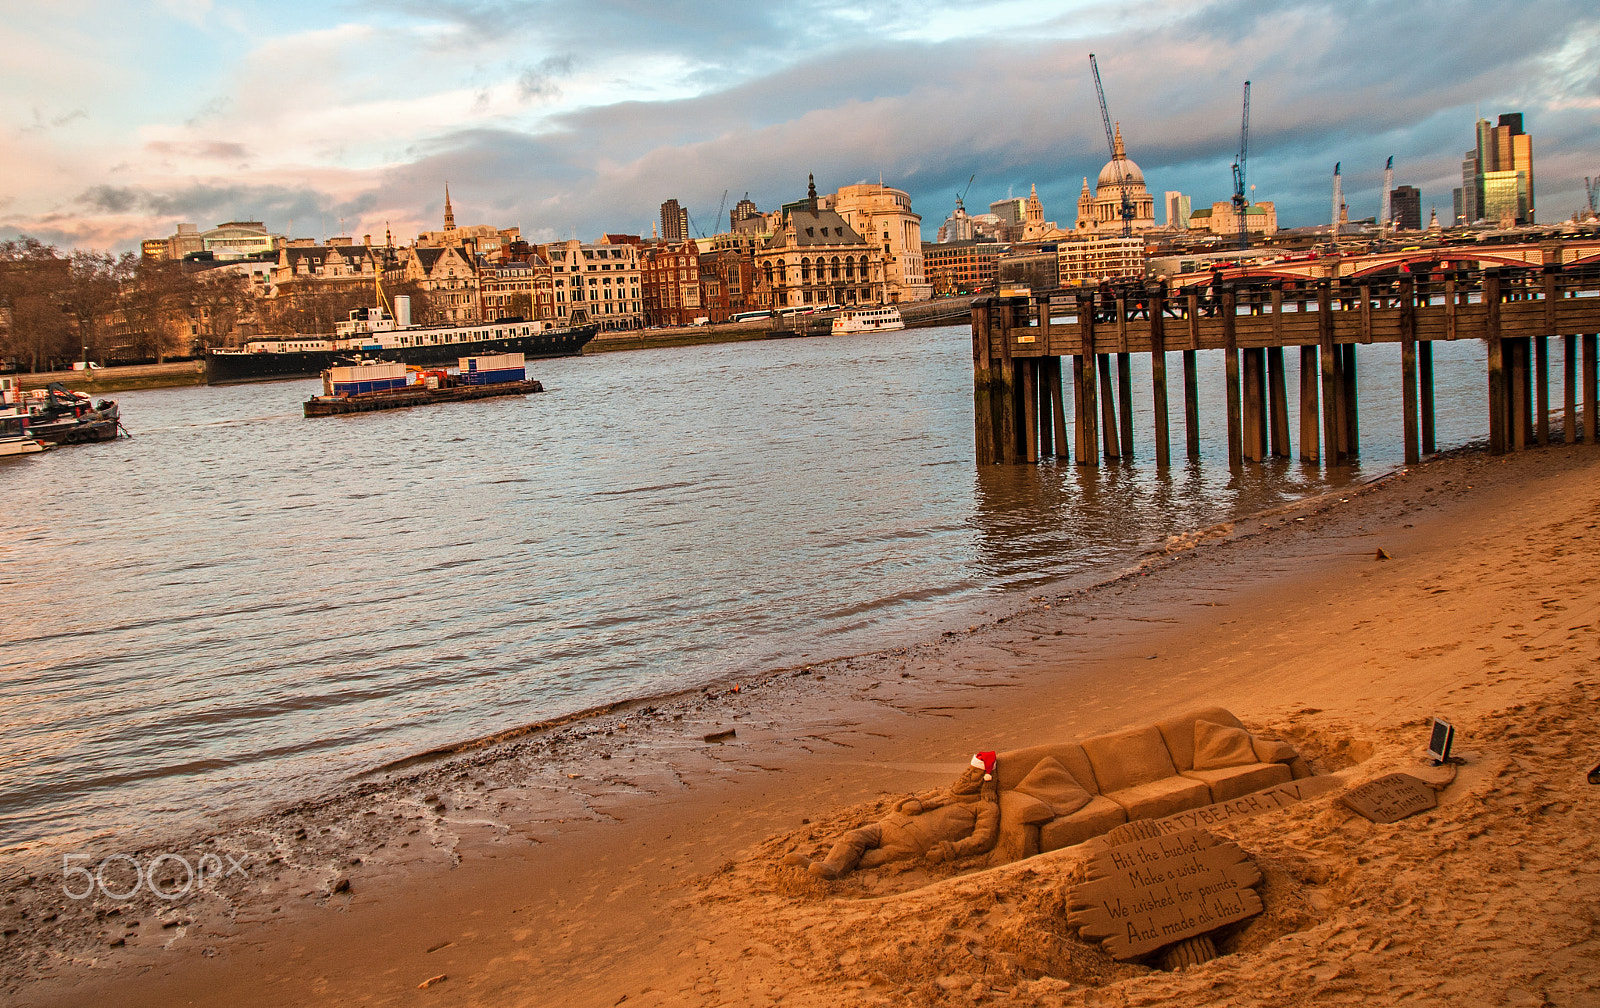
[{"x": 1025, "y": 347}]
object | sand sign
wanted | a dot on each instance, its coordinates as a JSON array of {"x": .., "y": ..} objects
[
  {"x": 1391, "y": 798},
  {"x": 1143, "y": 895}
]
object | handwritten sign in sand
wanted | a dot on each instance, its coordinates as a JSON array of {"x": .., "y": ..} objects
[
  {"x": 1391, "y": 798},
  {"x": 1253, "y": 804},
  {"x": 1142, "y": 895}
]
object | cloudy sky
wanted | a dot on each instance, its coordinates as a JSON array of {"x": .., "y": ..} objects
[{"x": 123, "y": 118}]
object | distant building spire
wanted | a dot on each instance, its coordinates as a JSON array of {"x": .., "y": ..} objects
[
  {"x": 449, "y": 214},
  {"x": 1118, "y": 152},
  {"x": 811, "y": 191}
]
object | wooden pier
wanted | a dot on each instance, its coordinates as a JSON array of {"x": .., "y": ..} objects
[{"x": 1029, "y": 352}]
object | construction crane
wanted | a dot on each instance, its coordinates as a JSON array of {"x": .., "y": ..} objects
[
  {"x": 1240, "y": 202},
  {"x": 717, "y": 220},
  {"x": 1385, "y": 207},
  {"x": 962, "y": 195},
  {"x": 1126, "y": 210},
  {"x": 1591, "y": 188}
]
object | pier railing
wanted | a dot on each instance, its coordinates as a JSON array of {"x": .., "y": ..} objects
[{"x": 1025, "y": 348}]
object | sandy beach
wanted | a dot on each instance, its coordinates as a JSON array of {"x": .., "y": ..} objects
[{"x": 623, "y": 859}]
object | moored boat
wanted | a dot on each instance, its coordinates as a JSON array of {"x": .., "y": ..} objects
[
  {"x": 859, "y": 320},
  {"x": 363, "y": 388},
  {"x": 65, "y": 416},
  {"x": 374, "y": 333},
  {"x": 15, "y": 437}
]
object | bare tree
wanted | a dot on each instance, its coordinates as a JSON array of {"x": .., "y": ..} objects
[
  {"x": 220, "y": 297},
  {"x": 34, "y": 327},
  {"x": 93, "y": 281}
]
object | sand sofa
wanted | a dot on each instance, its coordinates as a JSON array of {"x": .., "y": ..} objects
[{"x": 1054, "y": 796}]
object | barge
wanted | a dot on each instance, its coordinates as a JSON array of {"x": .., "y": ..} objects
[{"x": 364, "y": 388}]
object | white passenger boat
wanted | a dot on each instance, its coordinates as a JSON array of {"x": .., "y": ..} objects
[{"x": 859, "y": 320}]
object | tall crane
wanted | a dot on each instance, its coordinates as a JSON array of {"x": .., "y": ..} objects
[
  {"x": 1385, "y": 207},
  {"x": 1240, "y": 201},
  {"x": 962, "y": 195},
  {"x": 1126, "y": 210}
]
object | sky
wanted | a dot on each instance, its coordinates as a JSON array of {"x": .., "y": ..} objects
[{"x": 124, "y": 118}]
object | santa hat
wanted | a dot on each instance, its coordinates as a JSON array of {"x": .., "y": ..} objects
[{"x": 985, "y": 761}]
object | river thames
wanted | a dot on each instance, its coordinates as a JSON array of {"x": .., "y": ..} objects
[{"x": 239, "y": 606}]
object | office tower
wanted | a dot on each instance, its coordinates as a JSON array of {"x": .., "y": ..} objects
[
  {"x": 1405, "y": 208},
  {"x": 1177, "y": 210},
  {"x": 674, "y": 223},
  {"x": 1497, "y": 175}
]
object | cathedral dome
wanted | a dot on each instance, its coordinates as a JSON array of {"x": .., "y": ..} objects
[
  {"x": 1119, "y": 159},
  {"x": 1130, "y": 173}
]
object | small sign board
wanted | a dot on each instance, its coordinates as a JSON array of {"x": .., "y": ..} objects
[
  {"x": 1440, "y": 741},
  {"x": 1391, "y": 798},
  {"x": 1143, "y": 895},
  {"x": 1027, "y": 339}
]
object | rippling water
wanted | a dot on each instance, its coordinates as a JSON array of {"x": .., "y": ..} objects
[{"x": 240, "y": 604}]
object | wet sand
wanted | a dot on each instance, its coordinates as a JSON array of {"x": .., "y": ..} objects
[{"x": 622, "y": 859}]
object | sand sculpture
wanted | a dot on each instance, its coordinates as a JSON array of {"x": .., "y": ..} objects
[{"x": 957, "y": 822}]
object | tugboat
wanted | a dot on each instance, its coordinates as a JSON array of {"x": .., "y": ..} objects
[{"x": 63, "y": 416}]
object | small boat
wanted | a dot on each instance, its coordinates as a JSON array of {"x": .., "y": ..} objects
[
  {"x": 63, "y": 416},
  {"x": 15, "y": 436},
  {"x": 860, "y": 320}
]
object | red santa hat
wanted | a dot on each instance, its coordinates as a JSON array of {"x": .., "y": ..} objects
[{"x": 985, "y": 761}]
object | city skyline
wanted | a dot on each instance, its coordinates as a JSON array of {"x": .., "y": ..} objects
[{"x": 349, "y": 117}]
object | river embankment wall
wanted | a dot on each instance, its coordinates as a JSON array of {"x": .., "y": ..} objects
[{"x": 941, "y": 311}]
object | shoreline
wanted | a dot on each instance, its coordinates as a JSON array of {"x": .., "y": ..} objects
[
  {"x": 811, "y": 740},
  {"x": 180, "y": 374}
]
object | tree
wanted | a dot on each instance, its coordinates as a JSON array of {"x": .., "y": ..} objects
[
  {"x": 220, "y": 296},
  {"x": 155, "y": 304},
  {"x": 34, "y": 327},
  {"x": 93, "y": 281}
]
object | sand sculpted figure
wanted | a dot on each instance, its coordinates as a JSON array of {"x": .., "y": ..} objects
[{"x": 957, "y": 822}]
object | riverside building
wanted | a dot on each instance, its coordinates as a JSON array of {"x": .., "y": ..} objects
[{"x": 815, "y": 259}]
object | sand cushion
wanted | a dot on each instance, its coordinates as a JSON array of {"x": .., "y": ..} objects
[
  {"x": 1050, "y": 782},
  {"x": 1234, "y": 782},
  {"x": 1217, "y": 747},
  {"x": 1129, "y": 758}
]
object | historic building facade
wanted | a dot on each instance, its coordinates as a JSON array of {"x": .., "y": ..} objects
[
  {"x": 816, "y": 258},
  {"x": 882, "y": 216},
  {"x": 602, "y": 279}
]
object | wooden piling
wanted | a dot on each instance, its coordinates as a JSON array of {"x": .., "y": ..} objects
[
  {"x": 1191, "y": 405},
  {"x": 1278, "y": 402},
  {"x": 1254, "y": 427},
  {"x": 1058, "y": 412},
  {"x": 1108, "y": 407},
  {"x": 1408, "y": 370},
  {"x": 1009, "y": 440},
  {"x": 1591, "y": 417},
  {"x": 1430, "y": 443},
  {"x": 982, "y": 386},
  {"x": 1158, "y": 375},
  {"x": 1569, "y": 388},
  {"x": 1231, "y": 348},
  {"x": 1125, "y": 402},
  {"x": 1349, "y": 403},
  {"x": 1028, "y": 396},
  {"x": 1084, "y": 384},
  {"x": 1498, "y": 399},
  {"x": 1310, "y": 445},
  {"x": 1328, "y": 352},
  {"x": 1541, "y": 372}
]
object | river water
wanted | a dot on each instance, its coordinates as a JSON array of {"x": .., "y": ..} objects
[{"x": 239, "y": 605}]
